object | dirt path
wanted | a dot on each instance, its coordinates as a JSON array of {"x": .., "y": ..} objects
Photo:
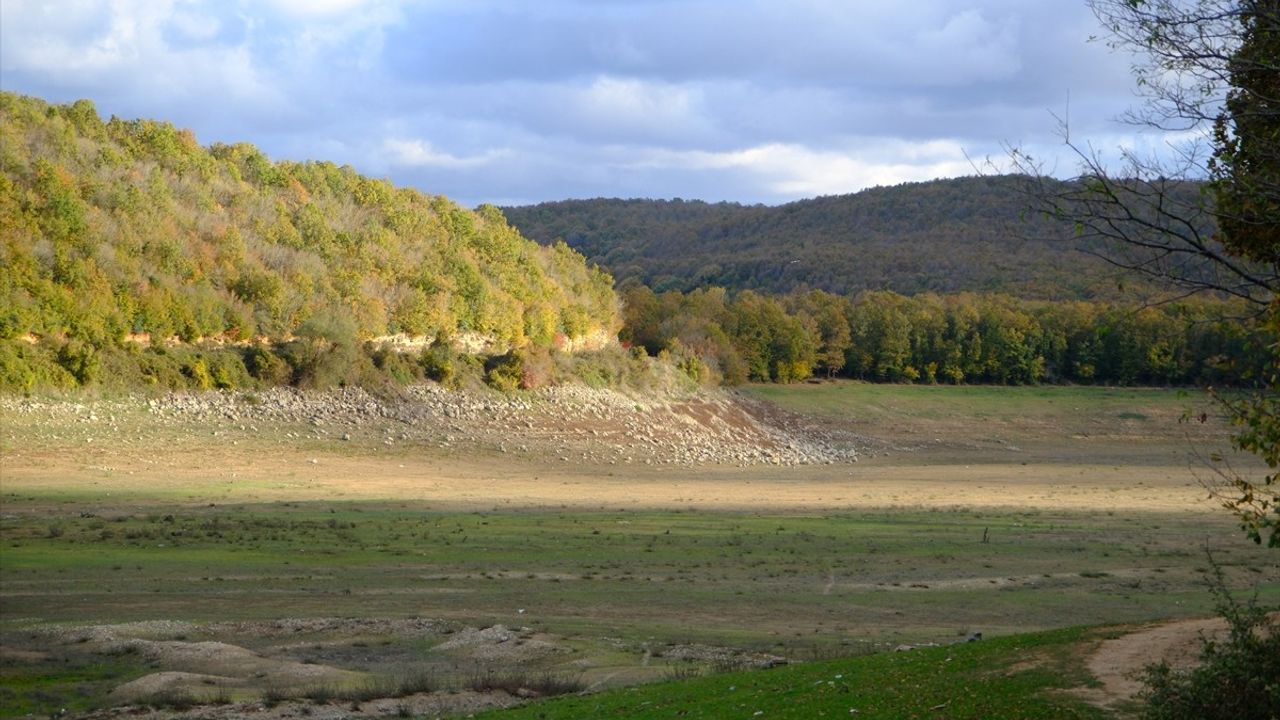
[{"x": 1118, "y": 662}]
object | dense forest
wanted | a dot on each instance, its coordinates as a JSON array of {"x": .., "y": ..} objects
[
  {"x": 886, "y": 337},
  {"x": 132, "y": 256},
  {"x": 125, "y": 232},
  {"x": 945, "y": 236}
]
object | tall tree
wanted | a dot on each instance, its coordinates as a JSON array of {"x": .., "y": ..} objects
[{"x": 1208, "y": 70}]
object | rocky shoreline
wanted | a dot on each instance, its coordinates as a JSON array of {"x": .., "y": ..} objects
[{"x": 568, "y": 424}]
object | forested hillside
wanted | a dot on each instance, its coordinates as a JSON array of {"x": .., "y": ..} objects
[
  {"x": 123, "y": 231},
  {"x": 945, "y": 236}
]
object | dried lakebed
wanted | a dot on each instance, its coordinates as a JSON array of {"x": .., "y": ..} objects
[{"x": 280, "y": 550}]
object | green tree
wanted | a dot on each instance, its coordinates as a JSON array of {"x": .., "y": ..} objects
[{"x": 1209, "y": 70}]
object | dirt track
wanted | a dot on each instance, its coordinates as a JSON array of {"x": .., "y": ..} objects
[{"x": 1118, "y": 663}]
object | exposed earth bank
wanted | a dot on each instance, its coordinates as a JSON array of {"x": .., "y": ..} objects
[{"x": 570, "y": 423}]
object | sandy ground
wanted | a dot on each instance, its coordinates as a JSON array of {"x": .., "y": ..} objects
[
  {"x": 211, "y": 475},
  {"x": 1118, "y": 663}
]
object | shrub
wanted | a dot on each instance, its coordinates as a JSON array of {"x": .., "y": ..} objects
[
  {"x": 536, "y": 367},
  {"x": 198, "y": 372},
  {"x": 24, "y": 368},
  {"x": 545, "y": 684},
  {"x": 438, "y": 363},
  {"x": 80, "y": 359},
  {"x": 393, "y": 364},
  {"x": 266, "y": 367},
  {"x": 504, "y": 372},
  {"x": 227, "y": 370}
]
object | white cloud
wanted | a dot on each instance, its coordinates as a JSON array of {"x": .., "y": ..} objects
[
  {"x": 420, "y": 153},
  {"x": 760, "y": 100},
  {"x": 126, "y": 51},
  {"x": 196, "y": 25},
  {"x": 320, "y": 8},
  {"x": 797, "y": 171}
]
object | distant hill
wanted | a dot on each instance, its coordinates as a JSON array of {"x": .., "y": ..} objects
[
  {"x": 945, "y": 236},
  {"x": 130, "y": 228}
]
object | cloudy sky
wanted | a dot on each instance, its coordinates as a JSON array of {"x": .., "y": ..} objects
[{"x": 516, "y": 101}]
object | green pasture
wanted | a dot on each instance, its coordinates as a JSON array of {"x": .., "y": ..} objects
[
  {"x": 1068, "y": 404},
  {"x": 1015, "y": 677},
  {"x": 769, "y": 580}
]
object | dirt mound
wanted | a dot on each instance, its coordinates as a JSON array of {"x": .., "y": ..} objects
[
  {"x": 724, "y": 657},
  {"x": 158, "y": 684},
  {"x": 500, "y": 645},
  {"x": 225, "y": 660}
]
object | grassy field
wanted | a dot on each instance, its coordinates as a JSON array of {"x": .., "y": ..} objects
[
  {"x": 1017, "y": 677},
  {"x": 999, "y": 510}
]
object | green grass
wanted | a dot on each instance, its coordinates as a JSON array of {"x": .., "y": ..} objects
[
  {"x": 73, "y": 681},
  {"x": 1011, "y": 677},
  {"x": 1066, "y": 403},
  {"x": 783, "y": 582}
]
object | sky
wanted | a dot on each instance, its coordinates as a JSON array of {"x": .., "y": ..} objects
[{"x": 522, "y": 101}]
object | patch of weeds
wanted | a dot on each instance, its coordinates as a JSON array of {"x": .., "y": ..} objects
[
  {"x": 273, "y": 696},
  {"x": 519, "y": 682},
  {"x": 683, "y": 671},
  {"x": 320, "y": 693},
  {"x": 414, "y": 683},
  {"x": 172, "y": 699}
]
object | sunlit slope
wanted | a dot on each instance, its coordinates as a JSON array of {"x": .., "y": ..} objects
[{"x": 131, "y": 226}]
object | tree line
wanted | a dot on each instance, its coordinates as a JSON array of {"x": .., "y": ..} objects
[{"x": 882, "y": 336}]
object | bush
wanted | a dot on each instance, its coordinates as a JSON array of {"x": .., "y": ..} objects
[
  {"x": 504, "y": 372},
  {"x": 80, "y": 359},
  {"x": 544, "y": 684},
  {"x": 227, "y": 370},
  {"x": 1237, "y": 679},
  {"x": 393, "y": 364},
  {"x": 198, "y": 372},
  {"x": 536, "y": 367},
  {"x": 160, "y": 368},
  {"x": 24, "y": 368},
  {"x": 266, "y": 367},
  {"x": 320, "y": 363},
  {"x": 438, "y": 363}
]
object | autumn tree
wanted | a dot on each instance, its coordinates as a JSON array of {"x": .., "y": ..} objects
[{"x": 1204, "y": 217}]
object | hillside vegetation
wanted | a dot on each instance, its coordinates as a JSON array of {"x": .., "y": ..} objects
[
  {"x": 945, "y": 236},
  {"x": 130, "y": 230}
]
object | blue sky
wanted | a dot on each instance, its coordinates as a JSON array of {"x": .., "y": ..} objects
[{"x": 529, "y": 100}]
